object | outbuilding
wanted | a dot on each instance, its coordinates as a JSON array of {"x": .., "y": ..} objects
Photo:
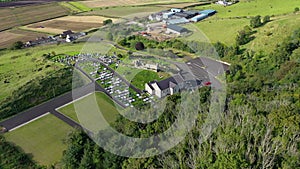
[
  {"x": 199, "y": 17},
  {"x": 176, "y": 10},
  {"x": 177, "y": 21},
  {"x": 168, "y": 15},
  {"x": 176, "y": 29},
  {"x": 208, "y": 12}
]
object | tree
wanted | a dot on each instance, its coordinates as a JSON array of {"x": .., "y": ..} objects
[
  {"x": 255, "y": 21},
  {"x": 139, "y": 46},
  {"x": 109, "y": 36},
  {"x": 106, "y": 22},
  {"x": 266, "y": 19},
  {"x": 242, "y": 38},
  {"x": 17, "y": 45},
  {"x": 296, "y": 9}
]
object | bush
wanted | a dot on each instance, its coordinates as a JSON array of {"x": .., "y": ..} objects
[
  {"x": 17, "y": 45},
  {"x": 266, "y": 19},
  {"x": 296, "y": 9},
  {"x": 255, "y": 21},
  {"x": 139, "y": 46}
]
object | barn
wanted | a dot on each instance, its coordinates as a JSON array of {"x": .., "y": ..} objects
[
  {"x": 199, "y": 17},
  {"x": 208, "y": 12}
]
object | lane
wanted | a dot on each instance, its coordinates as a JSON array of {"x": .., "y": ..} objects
[{"x": 48, "y": 106}]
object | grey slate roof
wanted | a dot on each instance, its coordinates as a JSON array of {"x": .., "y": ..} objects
[
  {"x": 165, "y": 84},
  {"x": 177, "y": 28}
]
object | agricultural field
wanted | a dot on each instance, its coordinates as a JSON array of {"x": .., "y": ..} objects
[
  {"x": 18, "y": 16},
  {"x": 42, "y": 138},
  {"x": 124, "y": 11},
  {"x": 7, "y": 38},
  {"x": 24, "y": 63},
  {"x": 74, "y": 23},
  {"x": 104, "y": 3},
  {"x": 181, "y": 5},
  {"x": 225, "y": 25},
  {"x": 253, "y": 8},
  {"x": 223, "y": 30},
  {"x": 77, "y": 111},
  {"x": 268, "y": 36}
]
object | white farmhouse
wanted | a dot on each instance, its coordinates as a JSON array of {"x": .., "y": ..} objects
[{"x": 166, "y": 87}]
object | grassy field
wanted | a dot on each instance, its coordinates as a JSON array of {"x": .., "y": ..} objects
[
  {"x": 268, "y": 36},
  {"x": 71, "y": 7},
  {"x": 223, "y": 30},
  {"x": 7, "y": 38},
  {"x": 105, "y": 3},
  {"x": 139, "y": 77},
  {"x": 145, "y": 76},
  {"x": 42, "y": 138},
  {"x": 20, "y": 66},
  {"x": 225, "y": 25},
  {"x": 90, "y": 118},
  {"x": 180, "y": 5},
  {"x": 80, "y": 6},
  {"x": 12, "y": 17},
  {"x": 74, "y": 23},
  {"x": 124, "y": 11},
  {"x": 254, "y": 7}
]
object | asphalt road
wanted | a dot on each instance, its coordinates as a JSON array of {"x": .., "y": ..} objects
[
  {"x": 49, "y": 106},
  {"x": 53, "y": 104}
]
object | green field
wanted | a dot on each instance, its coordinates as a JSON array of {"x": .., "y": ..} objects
[
  {"x": 225, "y": 25},
  {"x": 253, "y": 8},
  {"x": 27, "y": 64},
  {"x": 146, "y": 76},
  {"x": 268, "y": 36},
  {"x": 80, "y": 6},
  {"x": 73, "y": 8},
  {"x": 223, "y": 30},
  {"x": 124, "y": 11},
  {"x": 139, "y": 77},
  {"x": 43, "y": 138},
  {"x": 89, "y": 109}
]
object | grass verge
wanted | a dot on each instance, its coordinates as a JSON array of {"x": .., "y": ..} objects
[{"x": 43, "y": 138}]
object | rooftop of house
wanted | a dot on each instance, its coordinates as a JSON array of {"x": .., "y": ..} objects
[{"x": 165, "y": 84}]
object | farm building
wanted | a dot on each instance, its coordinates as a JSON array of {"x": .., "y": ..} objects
[
  {"x": 199, "y": 17},
  {"x": 168, "y": 15},
  {"x": 176, "y": 10},
  {"x": 177, "y": 21},
  {"x": 224, "y": 3},
  {"x": 176, "y": 29},
  {"x": 208, "y": 12},
  {"x": 187, "y": 14}
]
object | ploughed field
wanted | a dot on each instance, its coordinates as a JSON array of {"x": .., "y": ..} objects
[
  {"x": 12, "y": 3},
  {"x": 7, "y": 38},
  {"x": 105, "y": 3},
  {"x": 18, "y": 16},
  {"x": 74, "y": 23}
]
